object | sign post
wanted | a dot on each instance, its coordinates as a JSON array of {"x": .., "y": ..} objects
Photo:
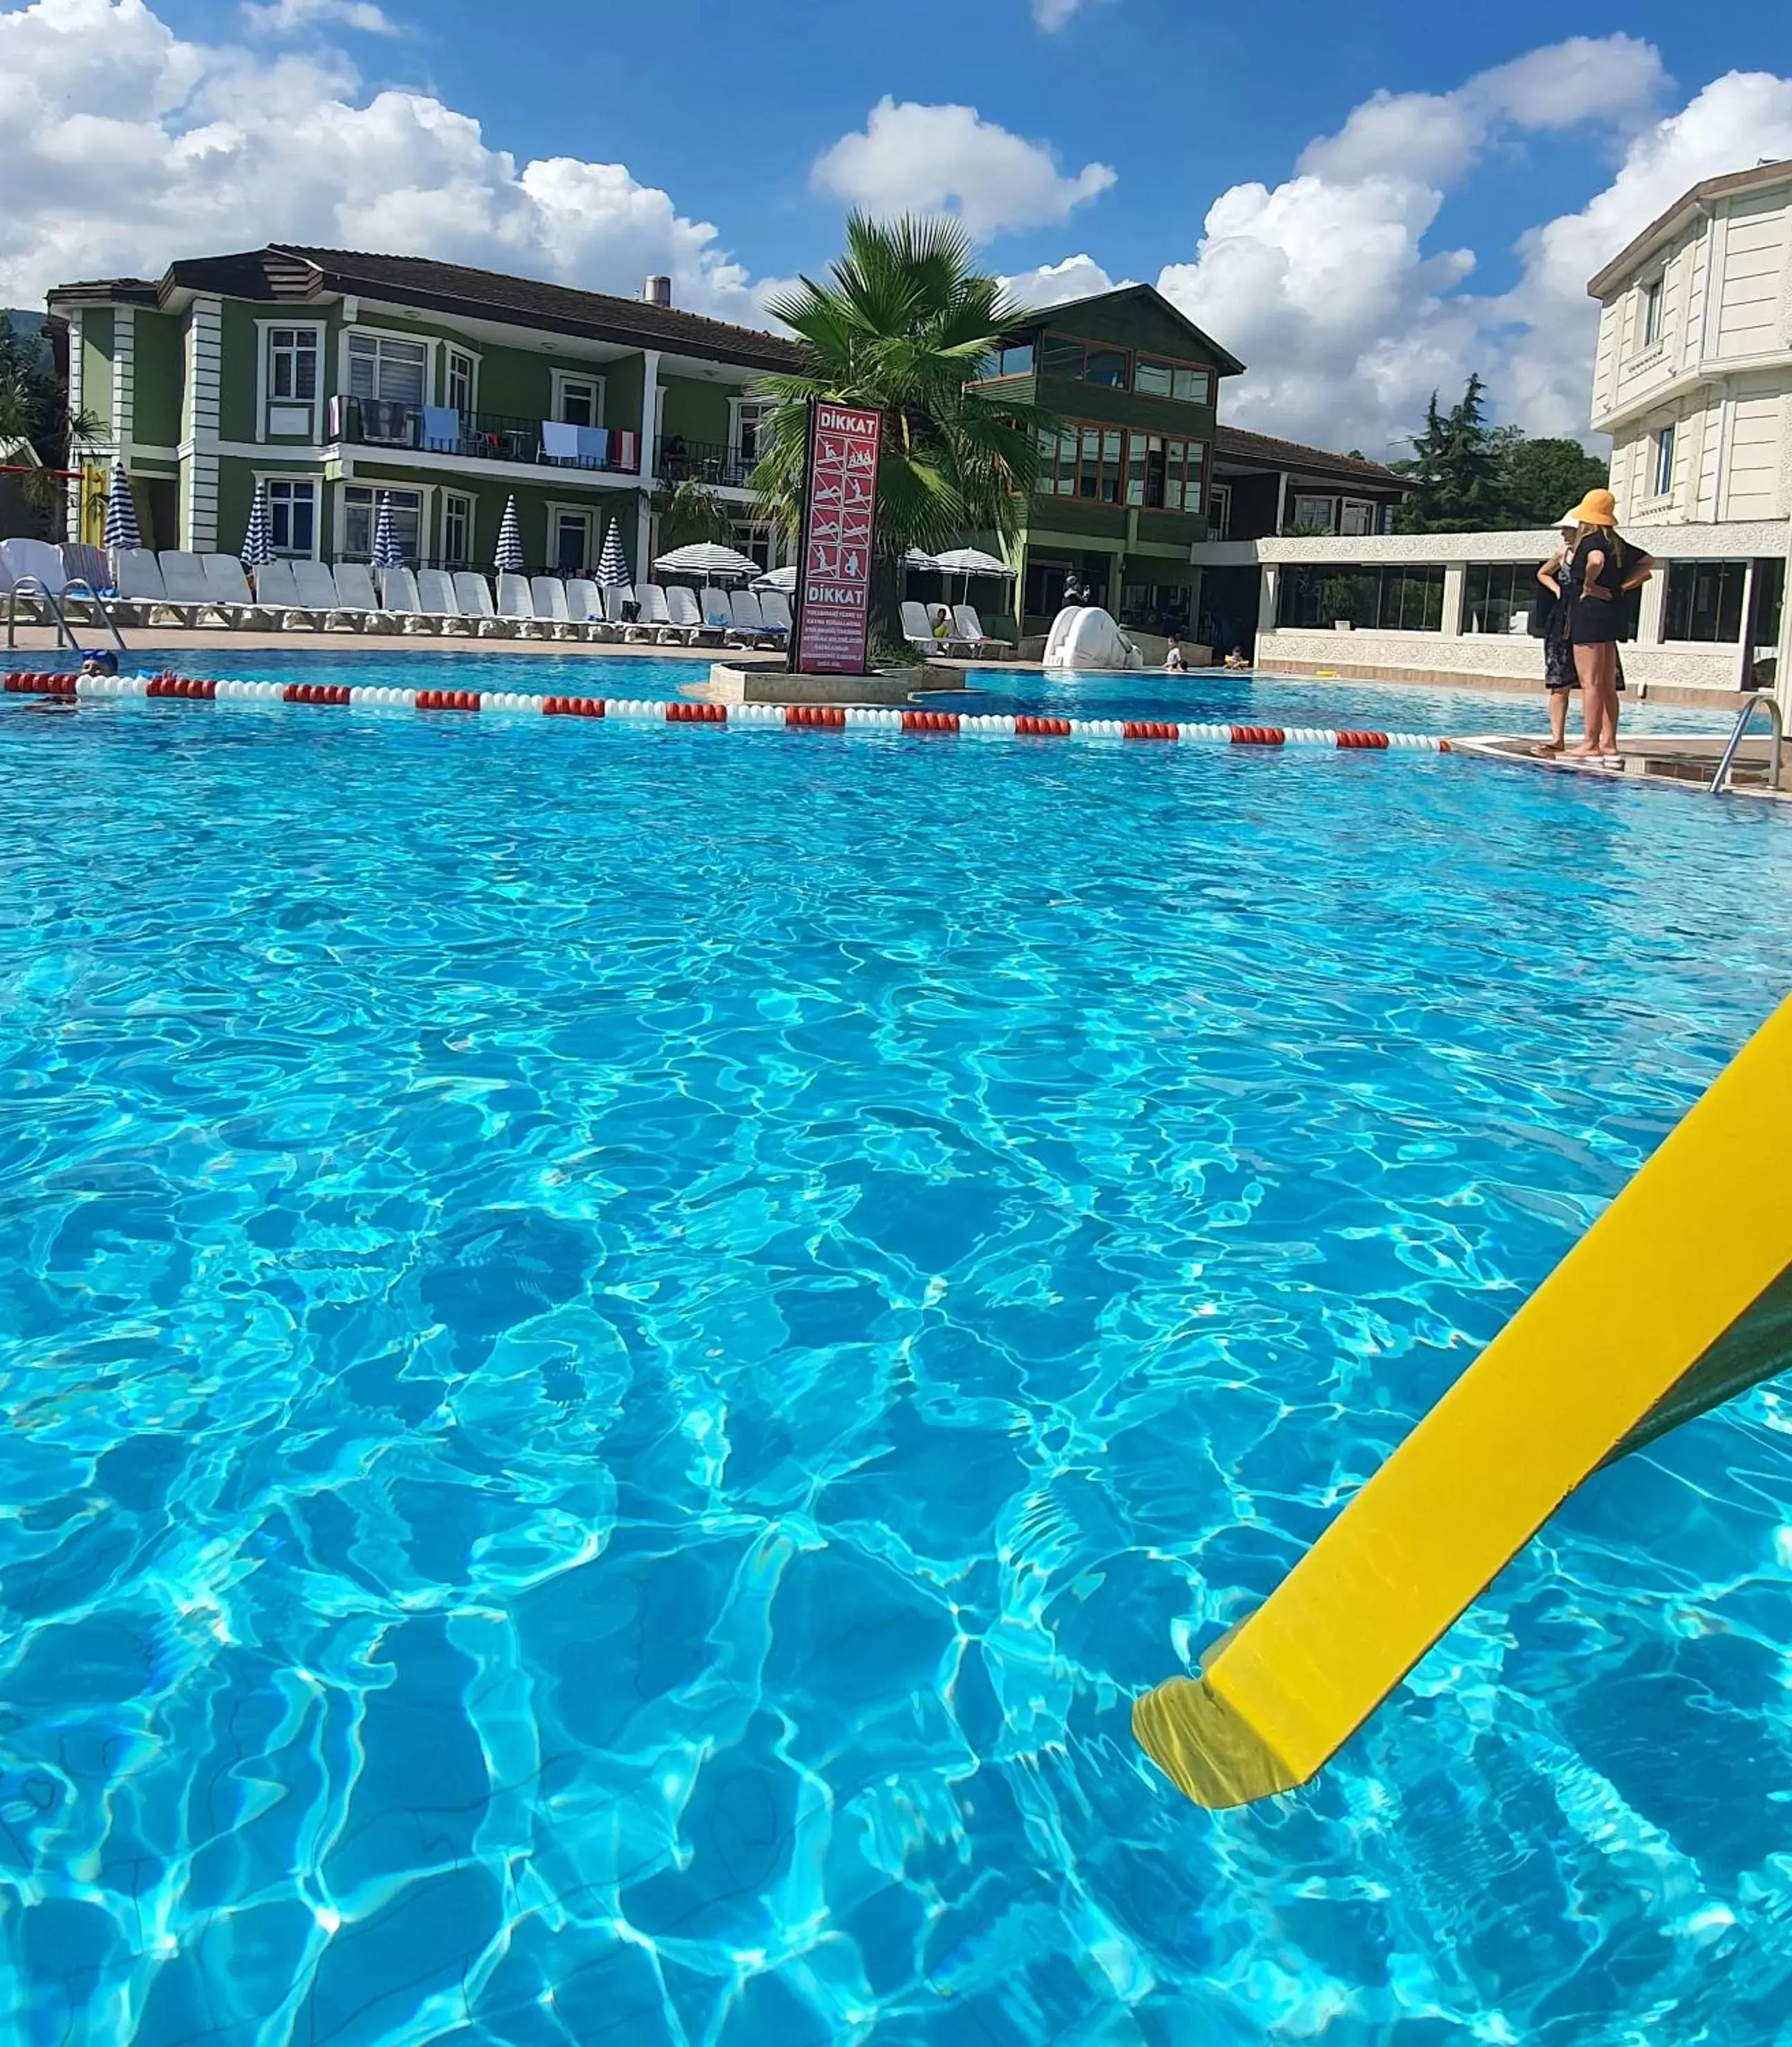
[{"x": 839, "y": 532}]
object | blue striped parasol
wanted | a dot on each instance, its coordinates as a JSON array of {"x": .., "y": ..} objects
[
  {"x": 612, "y": 564},
  {"x": 387, "y": 553},
  {"x": 509, "y": 555},
  {"x": 121, "y": 512},
  {"x": 257, "y": 548}
]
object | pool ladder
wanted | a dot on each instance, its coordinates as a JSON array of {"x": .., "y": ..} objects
[
  {"x": 1720, "y": 781},
  {"x": 38, "y": 591}
]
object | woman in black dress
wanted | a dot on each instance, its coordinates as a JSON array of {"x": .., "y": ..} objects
[{"x": 1605, "y": 569}]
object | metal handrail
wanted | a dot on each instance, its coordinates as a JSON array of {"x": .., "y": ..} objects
[
  {"x": 35, "y": 587},
  {"x": 1776, "y": 717}
]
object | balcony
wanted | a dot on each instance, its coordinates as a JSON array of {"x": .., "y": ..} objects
[
  {"x": 681, "y": 461},
  {"x": 386, "y": 423}
]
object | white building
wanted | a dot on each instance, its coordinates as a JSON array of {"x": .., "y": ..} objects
[{"x": 1693, "y": 380}]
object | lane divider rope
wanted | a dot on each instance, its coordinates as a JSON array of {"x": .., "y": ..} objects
[{"x": 824, "y": 717}]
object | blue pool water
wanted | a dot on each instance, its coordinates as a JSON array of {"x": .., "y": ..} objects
[
  {"x": 623, "y": 1347},
  {"x": 1216, "y": 697}
]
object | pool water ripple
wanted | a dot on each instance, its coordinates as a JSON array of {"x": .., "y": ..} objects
[{"x": 621, "y": 1357}]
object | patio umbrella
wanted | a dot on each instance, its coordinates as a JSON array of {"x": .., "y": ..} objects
[
  {"x": 508, "y": 557},
  {"x": 612, "y": 564},
  {"x": 258, "y": 548},
  {"x": 706, "y": 558},
  {"x": 971, "y": 562},
  {"x": 915, "y": 559},
  {"x": 782, "y": 580},
  {"x": 387, "y": 553},
  {"x": 121, "y": 512}
]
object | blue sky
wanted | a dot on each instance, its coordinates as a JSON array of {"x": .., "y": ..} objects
[{"x": 1133, "y": 132}]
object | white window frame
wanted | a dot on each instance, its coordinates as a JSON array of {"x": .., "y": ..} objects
[
  {"x": 1364, "y": 506},
  {"x": 267, "y": 478},
  {"x": 753, "y": 531},
  {"x": 264, "y": 329},
  {"x": 1218, "y": 529},
  {"x": 737, "y": 411},
  {"x": 449, "y": 350},
  {"x": 563, "y": 377},
  {"x": 451, "y": 500},
  {"x": 431, "y": 347},
  {"x": 1665, "y": 453},
  {"x": 424, "y": 492},
  {"x": 1651, "y": 312},
  {"x": 1309, "y": 498},
  {"x": 559, "y": 509}
]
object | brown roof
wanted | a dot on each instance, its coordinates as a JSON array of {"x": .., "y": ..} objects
[
  {"x": 1710, "y": 188},
  {"x": 293, "y": 273},
  {"x": 1265, "y": 450}
]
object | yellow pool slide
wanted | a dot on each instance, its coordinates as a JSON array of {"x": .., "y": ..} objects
[{"x": 1679, "y": 1297}]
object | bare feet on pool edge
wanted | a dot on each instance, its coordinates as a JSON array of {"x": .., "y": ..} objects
[
  {"x": 1547, "y": 750},
  {"x": 1580, "y": 753}
]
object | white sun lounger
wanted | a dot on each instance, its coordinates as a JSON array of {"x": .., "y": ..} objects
[
  {"x": 681, "y": 602},
  {"x": 475, "y": 595},
  {"x": 548, "y": 594},
  {"x": 774, "y": 608},
  {"x": 656, "y": 620},
  {"x": 585, "y": 609},
  {"x": 749, "y": 621},
  {"x": 716, "y": 616},
  {"x": 516, "y": 603},
  {"x": 918, "y": 631},
  {"x": 184, "y": 578},
  {"x": 356, "y": 595},
  {"x": 278, "y": 592},
  {"x": 615, "y": 596},
  {"x": 137, "y": 576},
  {"x": 398, "y": 586},
  {"x": 231, "y": 597},
  {"x": 970, "y": 630},
  {"x": 438, "y": 602}
]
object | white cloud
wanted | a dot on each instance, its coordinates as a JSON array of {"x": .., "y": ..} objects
[
  {"x": 1056, "y": 283},
  {"x": 911, "y": 158},
  {"x": 1051, "y": 15},
  {"x": 289, "y": 17},
  {"x": 1328, "y": 286},
  {"x": 180, "y": 149}
]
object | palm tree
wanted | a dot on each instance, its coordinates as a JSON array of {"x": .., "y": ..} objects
[
  {"x": 688, "y": 511},
  {"x": 903, "y": 324}
]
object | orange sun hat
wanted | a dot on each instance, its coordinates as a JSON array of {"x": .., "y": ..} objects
[{"x": 1598, "y": 508}]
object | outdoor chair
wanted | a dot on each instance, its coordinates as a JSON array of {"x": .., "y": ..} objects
[
  {"x": 970, "y": 630},
  {"x": 475, "y": 596},
  {"x": 232, "y": 597},
  {"x": 585, "y": 609},
  {"x": 437, "y": 600},
  {"x": 774, "y": 608},
  {"x": 548, "y": 594},
  {"x": 356, "y": 595},
  {"x": 747, "y": 620},
  {"x": 656, "y": 619},
  {"x": 515, "y": 605},
  {"x": 686, "y": 620},
  {"x": 276, "y": 590},
  {"x": 137, "y": 577},
  {"x": 399, "y": 595}
]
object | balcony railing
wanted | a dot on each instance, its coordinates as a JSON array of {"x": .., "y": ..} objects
[
  {"x": 376, "y": 423},
  {"x": 680, "y": 461}
]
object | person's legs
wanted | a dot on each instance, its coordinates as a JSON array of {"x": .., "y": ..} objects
[
  {"x": 1608, "y": 720},
  {"x": 1558, "y": 719},
  {"x": 1593, "y": 665}
]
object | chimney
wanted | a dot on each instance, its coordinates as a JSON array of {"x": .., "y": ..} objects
[{"x": 658, "y": 291}]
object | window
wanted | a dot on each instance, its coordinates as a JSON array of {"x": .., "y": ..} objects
[
  {"x": 1157, "y": 380},
  {"x": 1044, "y": 593},
  {"x": 578, "y": 400},
  {"x": 1080, "y": 461},
  {"x": 1106, "y": 366},
  {"x": 1192, "y": 387},
  {"x": 752, "y": 537},
  {"x": 1357, "y": 517},
  {"x": 379, "y": 366},
  {"x": 1061, "y": 359},
  {"x": 291, "y": 365},
  {"x": 458, "y": 390},
  {"x": 1161, "y": 607},
  {"x": 1219, "y": 511},
  {"x": 292, "y": 515},
  {"x": 1098, "y": 464},
  {"x": 569, "y": 539},
  {"x": 1015, "y": 359},
  {"x": 1497, "y": 597},
  {"x": 1652, "y": 313},
  {"x": 1390, "y": 600},
  {"x": 1316, "y": 515},
  {"x": 361, "y": 507},
  {"x": 1164, "y": 473},
  {"x": 1664, "y": 463},
  {"x": 1703, "y": 600},
  {"x": 750, "y": 415},
  {"x": 457, "y": 530}
]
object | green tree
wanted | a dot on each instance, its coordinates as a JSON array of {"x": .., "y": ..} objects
[
  {"x": 1456, "y": 470},
  {"x": 34, "y": 408},
  {"x": 902, "y": 323},
  {"x": 686, "y": 513},
  {"x": 1545, "y": 478}
]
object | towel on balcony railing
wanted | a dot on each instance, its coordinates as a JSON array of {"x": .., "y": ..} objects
[
  {"x": 441, "y": 428},
  {"x": 374, "y": 422},
  {"x": 591, "y": 447}
]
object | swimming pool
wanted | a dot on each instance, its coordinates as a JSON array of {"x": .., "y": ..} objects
[
  {"x": 622, "y": 1356},
  {"x": 1208, "y": 696}
]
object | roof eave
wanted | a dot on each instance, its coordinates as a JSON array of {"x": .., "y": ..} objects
[{"x": 1687, "y": 207}]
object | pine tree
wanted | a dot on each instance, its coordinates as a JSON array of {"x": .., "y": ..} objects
[{"x": 1456, "y": 469}]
